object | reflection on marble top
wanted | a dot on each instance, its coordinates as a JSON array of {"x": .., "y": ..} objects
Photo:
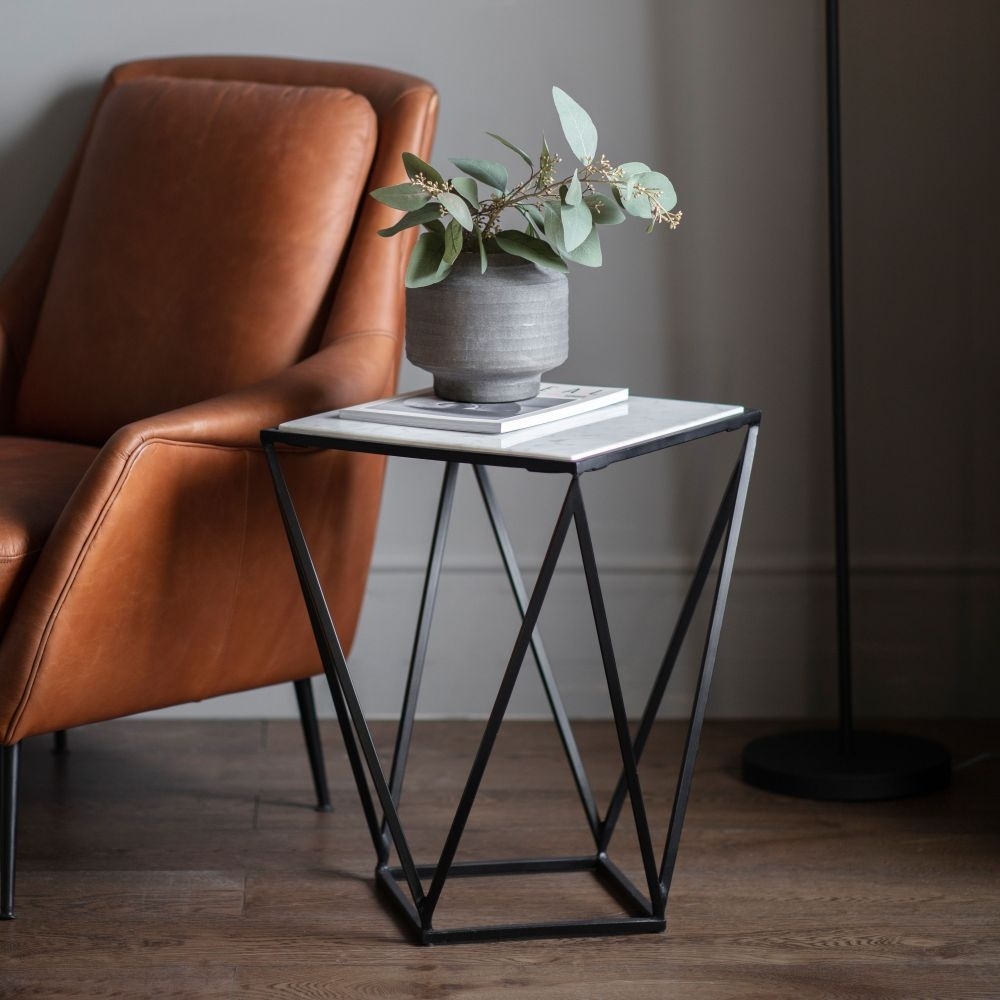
[{"x": 622, "y": 425}]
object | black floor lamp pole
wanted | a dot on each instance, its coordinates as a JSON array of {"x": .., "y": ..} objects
[
  {"x": 843, "y": 764},
  {"x": 842, "y": 548}
]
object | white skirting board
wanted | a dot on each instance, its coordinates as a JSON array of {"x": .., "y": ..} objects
[{"x": 925, "y": 641}]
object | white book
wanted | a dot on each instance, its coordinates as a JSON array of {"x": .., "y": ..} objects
[{"x": 423, "y": 409}]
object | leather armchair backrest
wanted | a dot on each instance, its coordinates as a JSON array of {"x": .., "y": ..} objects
[{"x": 205, "y": 226}]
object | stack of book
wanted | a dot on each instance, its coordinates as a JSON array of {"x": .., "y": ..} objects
[{"x": 423, "y": 409}]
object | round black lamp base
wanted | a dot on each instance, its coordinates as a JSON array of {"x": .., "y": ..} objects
[{"x": 812, "y": 765}]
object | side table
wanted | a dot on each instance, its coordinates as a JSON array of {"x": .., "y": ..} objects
[{"x": 570, "y": 447}]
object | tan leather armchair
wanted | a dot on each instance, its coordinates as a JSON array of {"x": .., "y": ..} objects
[{"x": 208, "y": 267}]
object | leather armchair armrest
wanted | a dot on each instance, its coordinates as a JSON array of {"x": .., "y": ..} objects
[
  {"x": 189, "y": 493},
  {"x": 354, "y": 368}
]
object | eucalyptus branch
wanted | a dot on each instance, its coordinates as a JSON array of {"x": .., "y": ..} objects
[{"x": 562, "y": 215}]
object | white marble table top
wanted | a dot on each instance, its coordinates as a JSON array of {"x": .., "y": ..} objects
[{"x": 623, "y": 425}]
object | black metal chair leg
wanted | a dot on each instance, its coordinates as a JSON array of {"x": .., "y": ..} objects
[
  {"x": 310, "y": 730},
  {"x": 8, "y": 827},
  {"x": 59, "y": 746}
]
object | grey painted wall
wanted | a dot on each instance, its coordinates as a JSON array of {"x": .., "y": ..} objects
[{"x": 726, "y": 97}]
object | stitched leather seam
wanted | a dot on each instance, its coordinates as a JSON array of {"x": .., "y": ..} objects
[
  {"x": 358, "y": 334},
  {"x": 18, "y": 558},
  {"x": 227, "y": 635},
  {"x": 78, "y": 562},
  {"x": 64, "y": 591},
  {"x": 415, "y": 89}
]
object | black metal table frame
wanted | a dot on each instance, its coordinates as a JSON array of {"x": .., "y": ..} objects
[{"x": 404, "y": 883}]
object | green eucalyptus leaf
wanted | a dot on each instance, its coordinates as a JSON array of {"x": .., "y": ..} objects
[
  {"x": 489, "y": 172},
  {"x": 414, "y": 165},
  {"x": 574, "y": 192},
  {"x": 435, "y": 225},
  {"x": 466, "y": 187},
  {"x": 636, "y": 204},
  {"x": 577, "y": 222},
  {"x": 534, "y": 215},
  {"x": 634, "y": 201},
  {"x": 426, "y": 261},
  {"x": 456, "y": 205},
  {"x": 580, "y": 131},
  {"x": 415, "y": 218},
  {"x": 588, "y": 252},
  {"x": 654, "y": 181},
  {"x": 530, "y": 248},
  {"x": 641, "y": 188},
  {"x": 454, "y": 238},
  {"x": 405, "y": 197},
  {"x": 517, "y": 149},
  {"x": 635, "y": 167},
  {"x": 553, "y": 229},
  {"x": 482, "y": 249},
  {"x": 605, "y": 211}
]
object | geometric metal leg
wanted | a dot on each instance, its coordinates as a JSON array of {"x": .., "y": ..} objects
[
  {"x": 421, "y": 635},
  {"x": 725, "y": 531},
  {"x": 314, "y": 747},
  {"x": 8, "y": 827},
  {"x": 657, "y": 899},
  {"x": 361, "y": 753},
  {"x": 404, "y": 884},
  {"x": 556, "y": 706},
  {"x": 683, "y": 790},
  {"x": 727, "y": 525},
  {"x": 500, "y": 704},
  {"x": 703, "y": 569}
]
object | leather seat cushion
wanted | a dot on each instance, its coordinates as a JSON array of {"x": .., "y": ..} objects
[
  {"x": 38, "y": 478},
  {"x": 206, "y": 224}
]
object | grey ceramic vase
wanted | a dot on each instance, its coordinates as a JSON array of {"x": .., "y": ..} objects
[{"x": 488, "y": 338}]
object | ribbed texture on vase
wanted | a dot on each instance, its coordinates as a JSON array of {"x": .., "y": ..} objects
[{"x": 488, "y": 338}]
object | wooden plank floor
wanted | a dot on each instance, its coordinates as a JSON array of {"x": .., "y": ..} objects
[{"x": 182, "y": 859}]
